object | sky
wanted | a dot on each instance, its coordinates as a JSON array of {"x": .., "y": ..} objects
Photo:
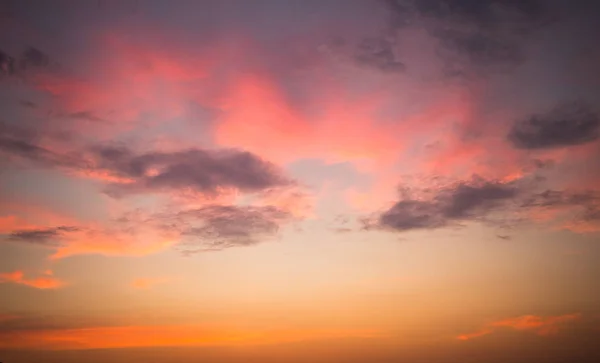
[{"x": 300, "y": 181}]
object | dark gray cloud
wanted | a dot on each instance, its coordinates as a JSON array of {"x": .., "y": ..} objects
[
  {"x": 486, "y": 13},
  {"x": 473, "y": 35},
  {"x": 485, "y": 201},
  {"x": 209, "y": 228},
  {"x": 7, "y": 64},
  {"x": 16, "y": 141},
  {"x": 33, "y": 58},
  {"x": 217, "y": 227},
  {"x": 85, "y": 115},
  {"x": 450, "y": 205},
  {"x": 205, "y": 171},
  {"x": 27, "y": 104},
  {"x": 21, "y": 142},
  {"x": 568, "y": 124},
  {"x": 561, "y": 198},
  {"x": 377, "y": 53},
  {"x": 462, "y": 50},
  {"x": 45, "y": 236},
  {"x": 212, "y": 227}
]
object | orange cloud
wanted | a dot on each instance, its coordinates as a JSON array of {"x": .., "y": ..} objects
[
  {"x": 11, "y": 222},
  {"x": 146, "y": 283},
  {"x": 473, "y": 335},
  {"x": 542, "y": 326},
  {"x": 112, "y": 243},
  {"x": 42, "y": 282},
  {"x": 156, "y": 336},
  {"x": 18, "y": 215}
]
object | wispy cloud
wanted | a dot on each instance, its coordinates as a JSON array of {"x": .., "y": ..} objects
[
  {"x": 539, "y": 325},
  {"x": 42, "y": 282},
  {"x": 568, "y": 124},
  {"x": 46, "y": 236}
]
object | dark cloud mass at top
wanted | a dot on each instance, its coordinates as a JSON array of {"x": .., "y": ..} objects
[
  {"x": 565, "y": 125},
  {"x": 473, "y": 35}
]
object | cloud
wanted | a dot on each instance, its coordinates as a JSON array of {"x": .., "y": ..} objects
[
  {"x": 25, "y": 143},
  {"x": 205, "y": 171},
  {"x": 579, "y": 211},
  {"x": 209, "y": 228},
  {"x": 111, "y": 238},
  {"x": 539, "y": 325},
  {"x": 146, "y": 283},
  {"x": 47, "y": 236},
  {"x": 216, "y": 227},
  {"x": 30, "y": 59},
  {"x": 200, "y": 176},
  {"x": 377, "y": 53},
  {"x": 568, "y": 124},
  {"x": 473, "y": 35},
  {"x": 462, "y": 201},
  {"x": 440, "y": 204},
  {"x": 85, "y": 115},
  {"x": 477, "y": 49},
  {"x": 33, "y": 58},
  {"x": 7, "y": 64},
  {"x": 561, "y": 198},
  {"x": 27, "y": 104},
  {"x": 42, "y": 282}
]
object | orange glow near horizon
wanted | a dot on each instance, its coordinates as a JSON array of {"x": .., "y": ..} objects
[{"x": 165, "y": 336}]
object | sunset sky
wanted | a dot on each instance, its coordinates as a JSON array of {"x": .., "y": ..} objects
[{"x": 300, "y": 181}]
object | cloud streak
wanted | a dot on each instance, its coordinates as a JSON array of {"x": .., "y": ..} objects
[
  {"x": 540, "y": 325},
  {"x": 565, "y": 125},
  {"x": 43, "y": 282},
  {"x": 46, "y": 236}
]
